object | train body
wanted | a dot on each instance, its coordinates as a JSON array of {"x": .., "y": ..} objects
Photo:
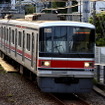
[{"x": 59, "y": 53}]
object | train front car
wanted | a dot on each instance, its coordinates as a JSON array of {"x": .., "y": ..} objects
[{"x": 66, "y": 57}]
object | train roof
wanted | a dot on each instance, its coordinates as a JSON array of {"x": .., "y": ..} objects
[{"x": 38, "y": 24}]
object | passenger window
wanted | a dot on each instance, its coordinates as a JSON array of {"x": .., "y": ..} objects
[
  {"x": 7, "y": 34},
  {"x": 19, "y": 39},
  {"x": 28, "y": 42},
  {"x": 13, "y": 37},
  {"x": 0, "y": 32},
  {"x": 4, "y": 33}
]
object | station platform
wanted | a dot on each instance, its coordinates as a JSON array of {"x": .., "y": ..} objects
[{"x": 7, "y": 67}]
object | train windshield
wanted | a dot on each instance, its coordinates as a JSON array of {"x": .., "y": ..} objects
[{"x": 66, "y": 39}]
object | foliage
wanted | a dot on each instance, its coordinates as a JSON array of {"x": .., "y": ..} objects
[
  {"x": 29, "y": 9},
  {"x": 2, "y": 1},
  {"x": 58, "y": 4},
  {"x": 74, "y": 9},
  {"x": 99, "y": 22},
  {"x": 63, "y": 4}
]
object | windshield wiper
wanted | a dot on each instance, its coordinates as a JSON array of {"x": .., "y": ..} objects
[{"x": 57, "y": 47}]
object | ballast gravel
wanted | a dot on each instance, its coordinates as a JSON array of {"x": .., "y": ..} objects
[{"x": 15, "y": 89}]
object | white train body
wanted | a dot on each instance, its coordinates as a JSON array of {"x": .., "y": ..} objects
[{"x": 61, "y": 62}]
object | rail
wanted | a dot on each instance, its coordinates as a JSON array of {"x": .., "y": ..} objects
[{"x": 69, "y": 99}]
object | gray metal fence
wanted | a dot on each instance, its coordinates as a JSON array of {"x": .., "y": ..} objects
[
  {"x": 100, "y": 55},
  {"x": 100, "y": 64}
]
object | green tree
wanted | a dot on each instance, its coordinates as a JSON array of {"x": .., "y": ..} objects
[
  {"x": 58, "y": 4},
  {"x": 99, "y": 22},
  {"x": 75, "y": 9},
  {"x": 29, "y": 9},
  {"x": 63, "y": 4}
]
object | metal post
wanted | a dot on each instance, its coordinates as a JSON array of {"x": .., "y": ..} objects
[
  {"x": 80, "y": 12},
  {"x": 19, "y": 6},
  {"x": 94, "y": 12},
  {"x": 104, "y": 74},
  {"x": 70, "y": 4},
  {"x": 98, "y": 73},
  {"x": 86, "y": 10}
]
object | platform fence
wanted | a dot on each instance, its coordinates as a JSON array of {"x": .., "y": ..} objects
[{"x": 99, "y": 73}]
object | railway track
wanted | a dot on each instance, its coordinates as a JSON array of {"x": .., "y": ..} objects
[
  {"x": 61, "y": 99},
  {"x": 82, "y": 101},
  {"x": 69, "y": 99}
]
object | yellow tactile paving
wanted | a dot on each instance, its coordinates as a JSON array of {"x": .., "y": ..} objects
[{"x": 7, "y": 67}]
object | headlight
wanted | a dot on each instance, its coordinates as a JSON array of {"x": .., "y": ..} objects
[
  {"x": 88, "y": 64},
  {"x": 45, "y": 63}
]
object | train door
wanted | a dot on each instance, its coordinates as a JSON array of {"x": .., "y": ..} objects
[
  {"x": 23, "y": 48},
  {"x": 34, "y": 50},
  {"x": 19, "y": 45}
]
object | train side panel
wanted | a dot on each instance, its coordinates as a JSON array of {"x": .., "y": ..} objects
[
  {"x": 20, "y": 44},
  {"x": 50, "y": 50}
]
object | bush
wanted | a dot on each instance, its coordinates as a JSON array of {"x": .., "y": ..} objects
[{"x": 100, "y": 28}]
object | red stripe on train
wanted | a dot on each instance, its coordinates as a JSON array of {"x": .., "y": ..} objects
[{"x": 64, "y": 64}]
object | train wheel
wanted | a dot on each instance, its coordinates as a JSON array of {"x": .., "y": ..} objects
[
  {"x": 2, "y": 55},
  {"x": 32, "y": 76},
  {"x": 21, "y": 69}
]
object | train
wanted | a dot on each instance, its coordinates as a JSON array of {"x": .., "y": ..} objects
[{"x": 59, "y": 54}]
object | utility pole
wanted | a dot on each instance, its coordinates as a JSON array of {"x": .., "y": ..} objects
[
  {"x": 94, "y": 11},
  {"x": 19, "y": 6},
  {"x": 69, "y": 10},
  {"x": 13, "y": 4},
  {"x": 80, "y": 12},
  {"x": 86, "y": 10}
]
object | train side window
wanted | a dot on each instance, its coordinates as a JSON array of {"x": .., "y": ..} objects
[
  {"x": 7, "y": 34},
  {"x": 19, "y": 38},
  {"x": 1, "y": 32},
  {"x": 13, "y": 36},
  {"x": 4, "y": 33},
  {"x": 23, "y": 39},
  {"x": 28, "y": 42}
]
